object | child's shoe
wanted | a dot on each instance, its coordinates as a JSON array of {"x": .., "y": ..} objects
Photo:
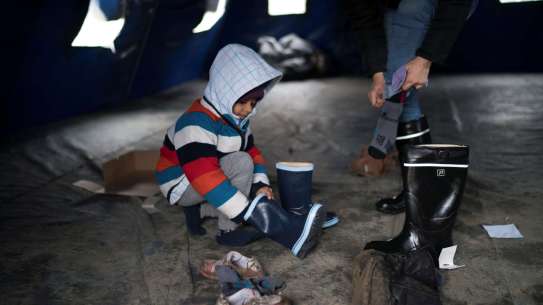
[
  {"x": 366, "y": 165},
  {"x": 248, "y": 296},
  {"x": 246, "y": 267},
  {"x": 193, "y": 220}
]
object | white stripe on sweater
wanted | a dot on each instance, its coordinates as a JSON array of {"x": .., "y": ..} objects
[
  {"x": 235, "y": 205},
  {"x": 261, "y": 177},
  {"x": 193, "y": 133},
  {"x": 179, "y": 190},
  {"x": 228, "y": 144}
]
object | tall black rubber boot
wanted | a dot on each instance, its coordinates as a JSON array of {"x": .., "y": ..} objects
[
  {"x": 299, "y": 233},
  {"x": 295, "y": 182},
  {"x": 434, "y": 181},
  {"x": 409, "y": 133}
]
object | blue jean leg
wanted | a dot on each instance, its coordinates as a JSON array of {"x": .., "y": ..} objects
[{"x": 405, "y": 29}]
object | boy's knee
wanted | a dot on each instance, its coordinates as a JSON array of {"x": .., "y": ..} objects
[{"x": 237, "y": 162}]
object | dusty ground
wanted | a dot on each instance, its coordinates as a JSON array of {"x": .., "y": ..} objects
[{"x": 64, "y": 245}]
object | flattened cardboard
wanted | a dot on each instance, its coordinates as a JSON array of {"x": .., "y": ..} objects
[{"x": 132, "y": 174}]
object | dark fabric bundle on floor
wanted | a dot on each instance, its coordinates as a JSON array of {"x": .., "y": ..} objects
[
  {"x": 395, "y": 279},
  {"x": 295, "y": 57}
]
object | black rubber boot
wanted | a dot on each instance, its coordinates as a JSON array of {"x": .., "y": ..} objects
[
  {"x": 409, "y": 133},
  {"x": 392, "y": 205},
  {"x": 434, "y": 178},
  {"x": 295, "y": 182},
  {"x": 299, "y": 233}
]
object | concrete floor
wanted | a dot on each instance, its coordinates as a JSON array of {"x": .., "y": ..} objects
[{"x": 64, "y": 245}]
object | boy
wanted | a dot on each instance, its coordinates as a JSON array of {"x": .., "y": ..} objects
[{"x": 209, "y": 155}]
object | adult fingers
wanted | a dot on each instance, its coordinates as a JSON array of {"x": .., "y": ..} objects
[
  {"x": 407, "y": 85},
  {"x": 376, "y": 99},
  {"x": 371, "y": 97},
  {"x": 379, "y": 102}
]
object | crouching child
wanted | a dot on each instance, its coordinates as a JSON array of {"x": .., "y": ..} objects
[{"x": 209, "y": 162}]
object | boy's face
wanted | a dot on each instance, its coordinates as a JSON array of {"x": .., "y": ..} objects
[{"x": 243, "y": 108}]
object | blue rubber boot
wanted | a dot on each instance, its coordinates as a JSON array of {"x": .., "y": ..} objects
[
  {"x": 299, "y": 233},
  {"x": 295, "y": 182}
]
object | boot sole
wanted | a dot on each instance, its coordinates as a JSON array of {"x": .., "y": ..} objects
[
  {"x": 312, "y": 231},
  {"x": 330, "y": 223},
  {"x": 390, "y": 211}
]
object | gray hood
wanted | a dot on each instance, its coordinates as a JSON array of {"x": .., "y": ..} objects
[{"x": 235, "y": 71}]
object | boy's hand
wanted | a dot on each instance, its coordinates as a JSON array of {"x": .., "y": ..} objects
[{"x": 266, "y": 190}]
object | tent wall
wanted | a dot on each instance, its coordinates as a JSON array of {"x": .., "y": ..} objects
[{"x": 48, "y": 80}]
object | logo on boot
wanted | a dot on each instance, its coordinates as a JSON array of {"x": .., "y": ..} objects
[
  {"x": 380, "y": 139},
  {"x": 441, "y": 172}
]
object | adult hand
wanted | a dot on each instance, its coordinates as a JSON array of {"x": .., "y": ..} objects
[
  {"x": 377, "y": 91},
  {"x": 417, "y": 73},
  {"x": 266, "y": 190}
]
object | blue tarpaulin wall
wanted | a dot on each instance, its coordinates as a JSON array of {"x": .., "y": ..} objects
[{"x": 50, "y": 80}]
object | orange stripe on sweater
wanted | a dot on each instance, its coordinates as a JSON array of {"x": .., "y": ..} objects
[
  {"x": 163, "y": 164},
  {"x": 208, "y": 181},
  {"x": 259, "y": 159}
]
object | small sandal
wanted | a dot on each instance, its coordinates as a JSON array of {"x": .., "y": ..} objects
[
  {"x": 246, "y": 267},
  {"x": 207, "y": 269},
  {"x": 252, "y": 297}
]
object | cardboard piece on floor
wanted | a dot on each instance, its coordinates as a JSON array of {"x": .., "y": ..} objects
[
  {"x": 149, "y": 204},
  {"x": 90, "y": 186},
  {"x": 503, "y": 231},
  {"x": 131, "y": 174},
  {"x": 446, "y": 258}
]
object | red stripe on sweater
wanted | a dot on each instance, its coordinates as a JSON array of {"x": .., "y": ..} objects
[
  {"x": 198, "y": 107},
  {"x": 200, "y": 166},
  {"x": 256, "y": 155},
  {"x": 170, "y": 155}
]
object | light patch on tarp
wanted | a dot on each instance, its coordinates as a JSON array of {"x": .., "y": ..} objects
[
  {"x": 96, "y": 30},
  {"x": 286, "y": 7},
  {"x": 215, "y": 10}
]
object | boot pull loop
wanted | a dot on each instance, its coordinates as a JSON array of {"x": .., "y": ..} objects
[{"x": 252, "y": 206}]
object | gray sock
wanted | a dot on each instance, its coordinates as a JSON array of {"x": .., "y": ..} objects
[{"x": 384, "y": 136}]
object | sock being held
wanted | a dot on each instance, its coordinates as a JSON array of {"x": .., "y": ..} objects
[
  {"x": 193, "y": 220},
  {"x": 385, "y": 133},
  {"x": 384, "y": 136}
]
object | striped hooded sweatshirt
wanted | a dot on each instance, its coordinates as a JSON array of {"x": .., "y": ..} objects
[{"x": 209, "y": 130}]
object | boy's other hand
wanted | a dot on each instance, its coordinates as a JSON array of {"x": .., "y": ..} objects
[
  {"x": 377, "y": 91},
  {"x": 266, "y": 190}
]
